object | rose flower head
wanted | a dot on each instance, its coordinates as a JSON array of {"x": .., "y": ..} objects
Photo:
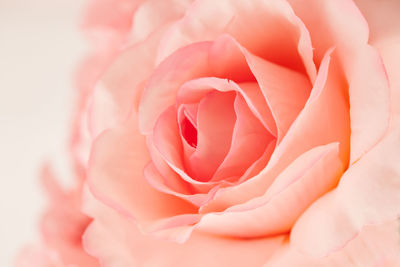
[{"x": 247, "y": 133}]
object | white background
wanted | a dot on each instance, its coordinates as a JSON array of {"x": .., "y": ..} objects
[{"x": 40, "y": 45}]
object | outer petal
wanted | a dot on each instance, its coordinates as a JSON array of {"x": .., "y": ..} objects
[
  {"x": 368, "y": 193},
  {"x": 117, "y": 242},
  {"x": 334, "y": 23},
  {"x": 307, "y": 178},
  {"x": 153, "y": 14},
  {"x": 382, "y": 18},
  {"x": 376, "y": 245},
  {"x": 115, "y": 176},
  {"x": 121, "y": 84},
  {"x": 286, "y": 40}
]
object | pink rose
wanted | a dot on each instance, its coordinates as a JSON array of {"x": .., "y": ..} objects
[{"x": 246, "y": 133}]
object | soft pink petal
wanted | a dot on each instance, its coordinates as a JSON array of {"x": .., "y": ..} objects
[
  {"x": 155, "y": 179},
  {"x": 334, "y": 23},
  {"x": 153, "y": 14},
  {"x": 170, "y": 178},
  {"x": 160, "y": 93},
  {"x": 306, "y": 179},
  {"x": 286, "y": 41},
  {"x": 38, "y": 256},
  {"x": 368, "y": 193},
  {"x": 110, "y": 14},
  {"x": 120, "y": 86},
  {"x": 286, "y": 91},
  {"x": 117, "y": 242},
  {"x": 383, "y": 22},
  {"x": 115, "y": 176},
  {"x": 376, "y": 245}
]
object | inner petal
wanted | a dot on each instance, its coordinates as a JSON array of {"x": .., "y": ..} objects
[
  {"x": 215, "y": 122},
  {"x": 249, "y": 142}
]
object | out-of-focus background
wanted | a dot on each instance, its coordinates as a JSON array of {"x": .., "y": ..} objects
[{"x": 40, "y": 46}]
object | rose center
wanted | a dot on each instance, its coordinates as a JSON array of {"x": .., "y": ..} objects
[{"x": 189, "y": 132}]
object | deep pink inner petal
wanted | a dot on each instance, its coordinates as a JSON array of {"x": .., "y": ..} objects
[{"x": 189, "y": 132}]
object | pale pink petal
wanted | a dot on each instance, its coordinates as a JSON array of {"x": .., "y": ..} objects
[
  {"x": 376, "y": 245},
  {"x": 153, "y": 14},
  {"x": 117, "y": 242},
  {"x": 383, "y": 22},
  {"x": 110, "y": 14},
  {"x": 368, "y": 193},
  {"x": 38, "y": 256},
  {"x": 115, "y": 176},
  {"x": 120, "y": 86},
  {"x": 155, "y": 179},
  {"x": 306, "y": 179},
  {"x": 260, "y": 163},
  {"x": 334, "y": 23},
  {"x": 61, "y": 227},
  {"x": 169, "y": 176},
  {"x": 286, "y": 41}
]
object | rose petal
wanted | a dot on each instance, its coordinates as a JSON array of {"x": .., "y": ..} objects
[
  {"x": 286, "y": 42},
  {"x": 286, "y": 91},
  {"x": 145, "y": 22},
  {"x": 115, "y": 176},
  {"x": 368, "y": 193},
  {"x": 110, "y": 14},
  {"x": 382, "y": 18},
  {"x": 118, "y": 90},
  {"x": 338, "y": 22},
  {"x": 291, "y": 193},
  {"x": 157, "y": 181},
  {"x": 117, "y": 242},
  {"x": 376, "y": 245}
]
